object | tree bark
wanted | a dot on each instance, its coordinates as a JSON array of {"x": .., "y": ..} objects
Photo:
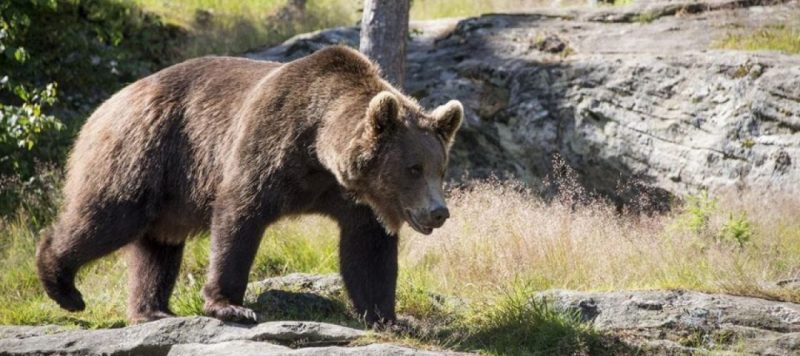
[{"x": 384, "y": 28}]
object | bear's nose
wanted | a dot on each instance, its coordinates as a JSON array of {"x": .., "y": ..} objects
[{"x": 439, "y": 215}]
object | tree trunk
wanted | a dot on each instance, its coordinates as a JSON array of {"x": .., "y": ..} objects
[{"x": 384, "y": 28}]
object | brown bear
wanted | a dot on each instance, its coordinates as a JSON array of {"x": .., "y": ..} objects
[{"x": 233, "y": 145}]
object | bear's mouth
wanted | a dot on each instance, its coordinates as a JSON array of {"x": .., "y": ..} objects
[{"x": 422, "y": 229}]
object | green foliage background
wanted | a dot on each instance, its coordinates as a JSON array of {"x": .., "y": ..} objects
[{"x": 87, "y": 49}]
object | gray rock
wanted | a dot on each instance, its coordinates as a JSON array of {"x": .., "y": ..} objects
[
  {"x": 328, "y": 284},
  {"x": 21, "y": 332},
  {"x": 683, "y": 321},
  {"x": 295, "y": 333},
  {"x": 157, "y": 338},
  {"x": 247, "y": 348},
  {"x": 195, "y": 336},
  {"x": 630, "y": 97},
  {"x": 229, "y": 348},
  {"x": 370, "y": 350},
  {"x": 299, "y": 296},
  {"x": 150, "y": 338}
]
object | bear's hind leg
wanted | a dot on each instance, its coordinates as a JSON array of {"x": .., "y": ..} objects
[
  {"x": 153, "y": 267},
  {"x": 57, "y": 279},
  {"x": 80, "y": 236}
]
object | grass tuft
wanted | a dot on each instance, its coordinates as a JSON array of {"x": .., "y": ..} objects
[
  {"x": 778, "y": 37},
  {"x": 516, "y": 322}
]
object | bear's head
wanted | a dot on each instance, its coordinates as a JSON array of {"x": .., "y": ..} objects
[{"x": 398, "y": 159}]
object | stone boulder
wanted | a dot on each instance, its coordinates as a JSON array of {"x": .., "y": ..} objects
[
  {"x": 687, "y": 322},
  {"x": 300, "y": 296}
]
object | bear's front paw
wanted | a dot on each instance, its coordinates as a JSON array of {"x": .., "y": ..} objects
[{"x": 230, "y": 312}]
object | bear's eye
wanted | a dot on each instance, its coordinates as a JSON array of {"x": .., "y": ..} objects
[{"x": 415, "y": 170}]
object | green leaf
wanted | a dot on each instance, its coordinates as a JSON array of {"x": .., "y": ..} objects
[{"x": 21, "y": 55}]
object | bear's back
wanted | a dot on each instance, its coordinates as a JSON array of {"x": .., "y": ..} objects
[{"x": 165, "y": 133}]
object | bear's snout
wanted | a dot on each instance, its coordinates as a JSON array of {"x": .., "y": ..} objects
[{"x": 438, "y": 216}]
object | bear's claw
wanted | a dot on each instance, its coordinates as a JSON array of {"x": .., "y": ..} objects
[{"x": 233, "y": 313}]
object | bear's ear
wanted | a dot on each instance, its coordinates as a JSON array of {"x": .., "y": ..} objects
[
  {"x": 382, "y": 113},
  {"x": 447, "y": 119}
]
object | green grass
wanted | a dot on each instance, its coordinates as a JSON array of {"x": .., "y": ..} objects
[
  {"x": 236, "y": 26},
  {"x": 516, "y": 323},
  {"x": 435, "y": 9},
  {"x": 780, "y": 37},
  {"x": 286, "y": 247}
]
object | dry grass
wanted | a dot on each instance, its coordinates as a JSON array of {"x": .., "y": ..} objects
[{"x": 500, "y": 233}]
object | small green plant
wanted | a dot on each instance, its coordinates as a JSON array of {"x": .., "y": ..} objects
[
  {"x": 698, "y": 211},
  {"x": 646, "y": 17},
  {"x": 737, "y": 229},
  {"x": 742, "y": 70},
  {"x": 748, "y": 143}
]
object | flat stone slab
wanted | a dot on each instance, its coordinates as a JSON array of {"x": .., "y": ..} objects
[
  {"x": 158, "y": 337},
  {"x": 196, "y": 336},
  {"x": 248, "y": 348},
  {"x": 686, "y": 321}
]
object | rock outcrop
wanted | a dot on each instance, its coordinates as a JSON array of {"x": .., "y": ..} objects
[
  {"x": 196, "y": 336},
  {"x": 625, "y": 95},
  {"x": 684, "y": 322}
]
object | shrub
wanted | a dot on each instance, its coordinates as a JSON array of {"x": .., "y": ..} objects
[
  {"x": 24, "y": 129},
  {"x": 89, "y": 48}
]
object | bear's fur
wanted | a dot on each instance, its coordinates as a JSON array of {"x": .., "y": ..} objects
[{"x": 233, "y": 145}]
